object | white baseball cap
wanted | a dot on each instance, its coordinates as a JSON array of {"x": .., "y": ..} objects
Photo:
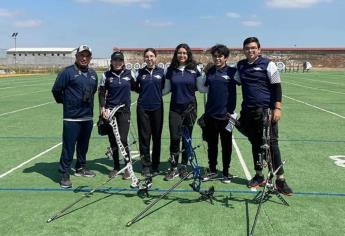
[{"x": 82, "y": 48}]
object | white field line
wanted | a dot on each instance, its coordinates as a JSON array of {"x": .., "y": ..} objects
[
  {"x": 31, "y": 159},
  {"x": 319, "y": 108},
  {"x": 21, "y": 94},
  {"x": 17, "y": 80},
  {"x": 37, "y": 156},
  {"x": 23, "y": 109},
  {"x": 22, "y": 81},
  {"x": 243, "y": 164},
  {"x": 308, "y": 87},
  {"x": 325, "y": 82},
  {"x": 28, "y": 85}
]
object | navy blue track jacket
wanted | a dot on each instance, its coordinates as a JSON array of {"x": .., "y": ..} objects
[
  {"x": 183, "y": 85},
  {"x": 118, "y": 88},
  {"x": 150, "y": 85},
  {"x": 75, "y": 90},
  {"x": 221, "y": 97}
]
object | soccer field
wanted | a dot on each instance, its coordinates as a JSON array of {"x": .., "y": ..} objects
[{"x": 312, "y": 141}]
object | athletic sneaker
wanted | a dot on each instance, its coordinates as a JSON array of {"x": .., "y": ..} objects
[
  {"x": 126, "y": 174},
  {"x": 84, "y": 172},
  {"x": 209, "y": 175},
  {"x": 112, "y": 173},
  {"x": 283, "y": 187},
  {"x": 183, "y": 172},
  {"x": 65, "y": 181},
  {"x": 155, "y": 172},
  {"x": 146, "y": 171},
  {"x": 227, "y": 178},
  {"x": 172, "y": 173},
  {"x": 256, "y": 181}
]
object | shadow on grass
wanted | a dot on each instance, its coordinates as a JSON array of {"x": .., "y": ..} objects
[
  {"x": 102, "y": 165},
  {"x": 50, "y": 169}
]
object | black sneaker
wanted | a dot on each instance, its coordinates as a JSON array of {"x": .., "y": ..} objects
[
  {"x": 113, "y": 173},
  {"x": 126, "y": 175},
  {"x": 283, "y": 187},
  {"x": 227, "y": 178},
  {"x": 155, "y": 172},
  {"x": 183, "y": 172},
  {"x": 65, "y": 181},
  {"x": 84, "y": 172},
  {"x": 209, "y": 175},
  {"x": 256, "y": 181},
  {"x": 146, "y": 171},
  {"x": 172, "y": 173}
]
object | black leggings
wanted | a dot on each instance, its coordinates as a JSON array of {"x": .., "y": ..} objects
[
  {"x": 150, "y": 125},
  {"x": 178, "y": 119},
  {"x": 123, "y": 121}
]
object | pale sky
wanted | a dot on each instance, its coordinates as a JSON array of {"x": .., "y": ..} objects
[{"x": 104, "y": 24}]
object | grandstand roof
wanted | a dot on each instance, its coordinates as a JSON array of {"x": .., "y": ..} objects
[{"x": 60, "y": 50}]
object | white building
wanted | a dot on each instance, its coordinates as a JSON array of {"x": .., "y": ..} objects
[{"x": 55, "y": 57}]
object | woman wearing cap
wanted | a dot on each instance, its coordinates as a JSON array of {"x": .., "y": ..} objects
[
  {"x": 114, "y": 90},
  {"x": 181, "y": 80},
  {"x": 150, "y": 82}
]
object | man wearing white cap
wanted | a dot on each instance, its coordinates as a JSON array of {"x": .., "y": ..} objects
[{"x": 75, "y": 87}]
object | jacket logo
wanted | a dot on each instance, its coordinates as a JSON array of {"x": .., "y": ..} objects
[
  {"x": 126, "y": 78},
  {"x": 226, "y": 77},
  {"x": 144, "y": 77},
  {"x": 257, "y": 69},
  {"x": 93, "y": 77},
  {"x": 192, "y": 71},
  {"x": 157, "y": 76}
]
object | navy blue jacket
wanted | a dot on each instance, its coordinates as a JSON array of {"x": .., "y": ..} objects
[
  {"x": 256, "y": 85},
  {"x": 118, "y": 88},
  {"x": 221, "y": 98},
  {"x": 150, "y": 85},
  {"x": 76, "y": 92},
  {"x": 183, "y": 85}
]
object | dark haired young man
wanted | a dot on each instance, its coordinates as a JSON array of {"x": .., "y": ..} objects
[
  {"x": 221, "y": 100},
  {"x": 261, "y": 90}
]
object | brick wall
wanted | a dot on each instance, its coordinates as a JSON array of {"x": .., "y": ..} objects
[{"x": 318, "y": 57}]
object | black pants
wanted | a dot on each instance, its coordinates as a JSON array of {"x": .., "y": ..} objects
[
  {"x": 251, "y": 121},
  {"x": 123, "y": 122},
  {"x": 150, "y": 125},
  {"x": 215, "y": 128},
  {"x": 75, "y": 135},
  {"x": 179, "y": 119}
]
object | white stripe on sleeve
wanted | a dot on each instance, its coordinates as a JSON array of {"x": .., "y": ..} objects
[{"x": 273, "y": 73}]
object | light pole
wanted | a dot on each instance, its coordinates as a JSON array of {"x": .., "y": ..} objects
[{"x": 14, "y": 35}]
